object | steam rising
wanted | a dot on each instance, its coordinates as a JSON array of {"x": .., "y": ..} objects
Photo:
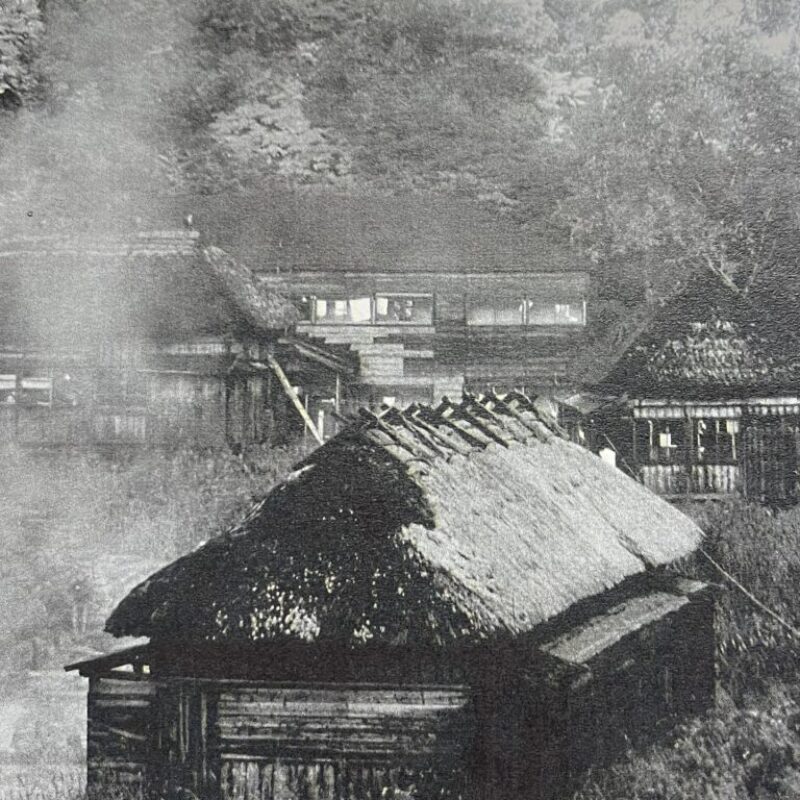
[
  {"x": 106, "y": 132},
  {"x": 94, "y": 160}
]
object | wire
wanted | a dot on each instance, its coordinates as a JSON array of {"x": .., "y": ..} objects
[{"x": 750, "y": 596}]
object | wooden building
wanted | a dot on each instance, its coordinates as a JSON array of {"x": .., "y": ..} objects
[
  {"x": 438, "y": 602},
  {"x": 150, "y": 338},
  {"x": 705, "y": 402},
  {"x": 433, "y": 296}
]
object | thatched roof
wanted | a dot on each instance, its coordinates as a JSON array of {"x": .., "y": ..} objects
[
  {"x": 263, "y": 310},
  {"x": 72, "y": 290},
  {"x": 709, "y": 343},
  {"x": 425, "y": 526}
]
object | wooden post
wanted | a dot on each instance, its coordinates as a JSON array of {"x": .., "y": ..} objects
[
  {"x": 18, "y": 394},
  {"x": 337, "y": 402},
  {"x": 689, "y": 427},
  {"x": 292, "y": 394},
  {"x": 305, "y": 427}
]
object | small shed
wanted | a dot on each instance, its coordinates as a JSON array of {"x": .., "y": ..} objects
[
  {"x": 706, "y": 400},
  {"x": 438, "y": 602}
]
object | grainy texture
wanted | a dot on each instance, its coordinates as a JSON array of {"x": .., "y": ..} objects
[
  {"x": 709, "y": 343},
  {"x": 425, "y": 526}
]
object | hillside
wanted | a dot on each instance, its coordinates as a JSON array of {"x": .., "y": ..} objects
[{"x": 661, "y": 136}]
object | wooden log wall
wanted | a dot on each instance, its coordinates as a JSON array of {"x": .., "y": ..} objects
[
  {"x": 119, "y": 753},
  {"x": 340, "y": 742}
]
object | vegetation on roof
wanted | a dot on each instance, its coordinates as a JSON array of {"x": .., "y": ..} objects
[
  {"x": 426, "y": 526},
  {"x": 709, "y": 343},
  {"x": 264, "y": 310},
  {"x": 279, "y": 229}
]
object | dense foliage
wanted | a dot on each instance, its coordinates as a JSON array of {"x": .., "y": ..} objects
[
  {"x": 749, "y": 746},
  {"x": 662, "y": 135},
  {"x": 20, "y": 33}
]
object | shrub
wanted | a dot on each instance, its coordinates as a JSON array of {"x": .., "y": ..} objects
[
  {"x": 761, "y": 549},
  {"x": 729, "y": 754}
]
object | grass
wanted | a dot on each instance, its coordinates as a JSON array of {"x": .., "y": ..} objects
[
  {"x": 104, "y": 521},
  {"x": 117, "y": 517},
  {"x": 748, "y": 748}
]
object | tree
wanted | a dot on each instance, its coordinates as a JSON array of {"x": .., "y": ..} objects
[
  {"x": 687, "y": 156},
  {"x": 20, "y": 31}
]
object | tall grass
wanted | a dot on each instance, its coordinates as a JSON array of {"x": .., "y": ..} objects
[
  {"x": 748, "y": 748},
  {"x": 106, "y": 520}
]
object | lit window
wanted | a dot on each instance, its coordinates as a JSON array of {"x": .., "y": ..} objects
[
  {"x": 400, "y": 308},
  {"x": 541, "y": 313},
  {"x": 354, "y": 310}
]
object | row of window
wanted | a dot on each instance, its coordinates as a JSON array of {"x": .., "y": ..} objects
[
  {"x": 418, "y": 309},
  {"x": 712, "y": 441}
]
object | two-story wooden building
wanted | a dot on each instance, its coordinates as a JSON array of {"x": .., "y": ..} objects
[{"x": 434, "y": 296}]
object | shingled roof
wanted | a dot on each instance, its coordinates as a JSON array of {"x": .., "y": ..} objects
[
  {"x": 709, "y": 343},
  {"x": 425, "y": 525}
]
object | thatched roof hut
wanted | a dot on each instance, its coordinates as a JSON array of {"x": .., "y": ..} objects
[
  {"x": 471, "y": 520},
  {"x": 443, "y": 601},
  {"x": 708, "y": 398},
  {"x": 152, "y": 284}
]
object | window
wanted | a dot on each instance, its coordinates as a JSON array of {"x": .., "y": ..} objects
[
  {"x": 496, "y": 311},
  {"x": 660, "y": 441},
  {"x": 354, "y": 310},
  {"x": 402, "y": 308},
  {"x": 382, "y": 309},
  {"x": 8, "y": 389},
  {"x": 547, "y": 313},
  {"x": 305, "y": 308},
  {"x": 715, "y": 441},
  {"x": 37, "y": 391},
  {"x": 31, "y": 390}
]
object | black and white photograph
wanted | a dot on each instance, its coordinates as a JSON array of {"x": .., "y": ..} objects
[{"x": 399, "y": 400}]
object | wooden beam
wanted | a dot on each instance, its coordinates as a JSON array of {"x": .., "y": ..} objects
[
  {"x": 327, "y": 360},
  {"x": 292, "y": 394}
]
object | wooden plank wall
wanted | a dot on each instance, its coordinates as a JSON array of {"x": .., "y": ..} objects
[
  {"x": 769, "y": 459},
  {"x": 118, "y": 744},
  {"x": 706, "y": 479},
  {"x": 339, "y": 742}
]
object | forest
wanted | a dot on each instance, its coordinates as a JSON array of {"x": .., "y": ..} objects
[{"x": 660, "y": 135}]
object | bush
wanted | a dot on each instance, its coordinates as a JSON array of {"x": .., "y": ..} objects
[
  {"x": 729, "y": 754},
  {"x": 761, "y": 549}
]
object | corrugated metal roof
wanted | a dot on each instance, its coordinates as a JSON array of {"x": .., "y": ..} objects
[{"x": 424, "y": 525}]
